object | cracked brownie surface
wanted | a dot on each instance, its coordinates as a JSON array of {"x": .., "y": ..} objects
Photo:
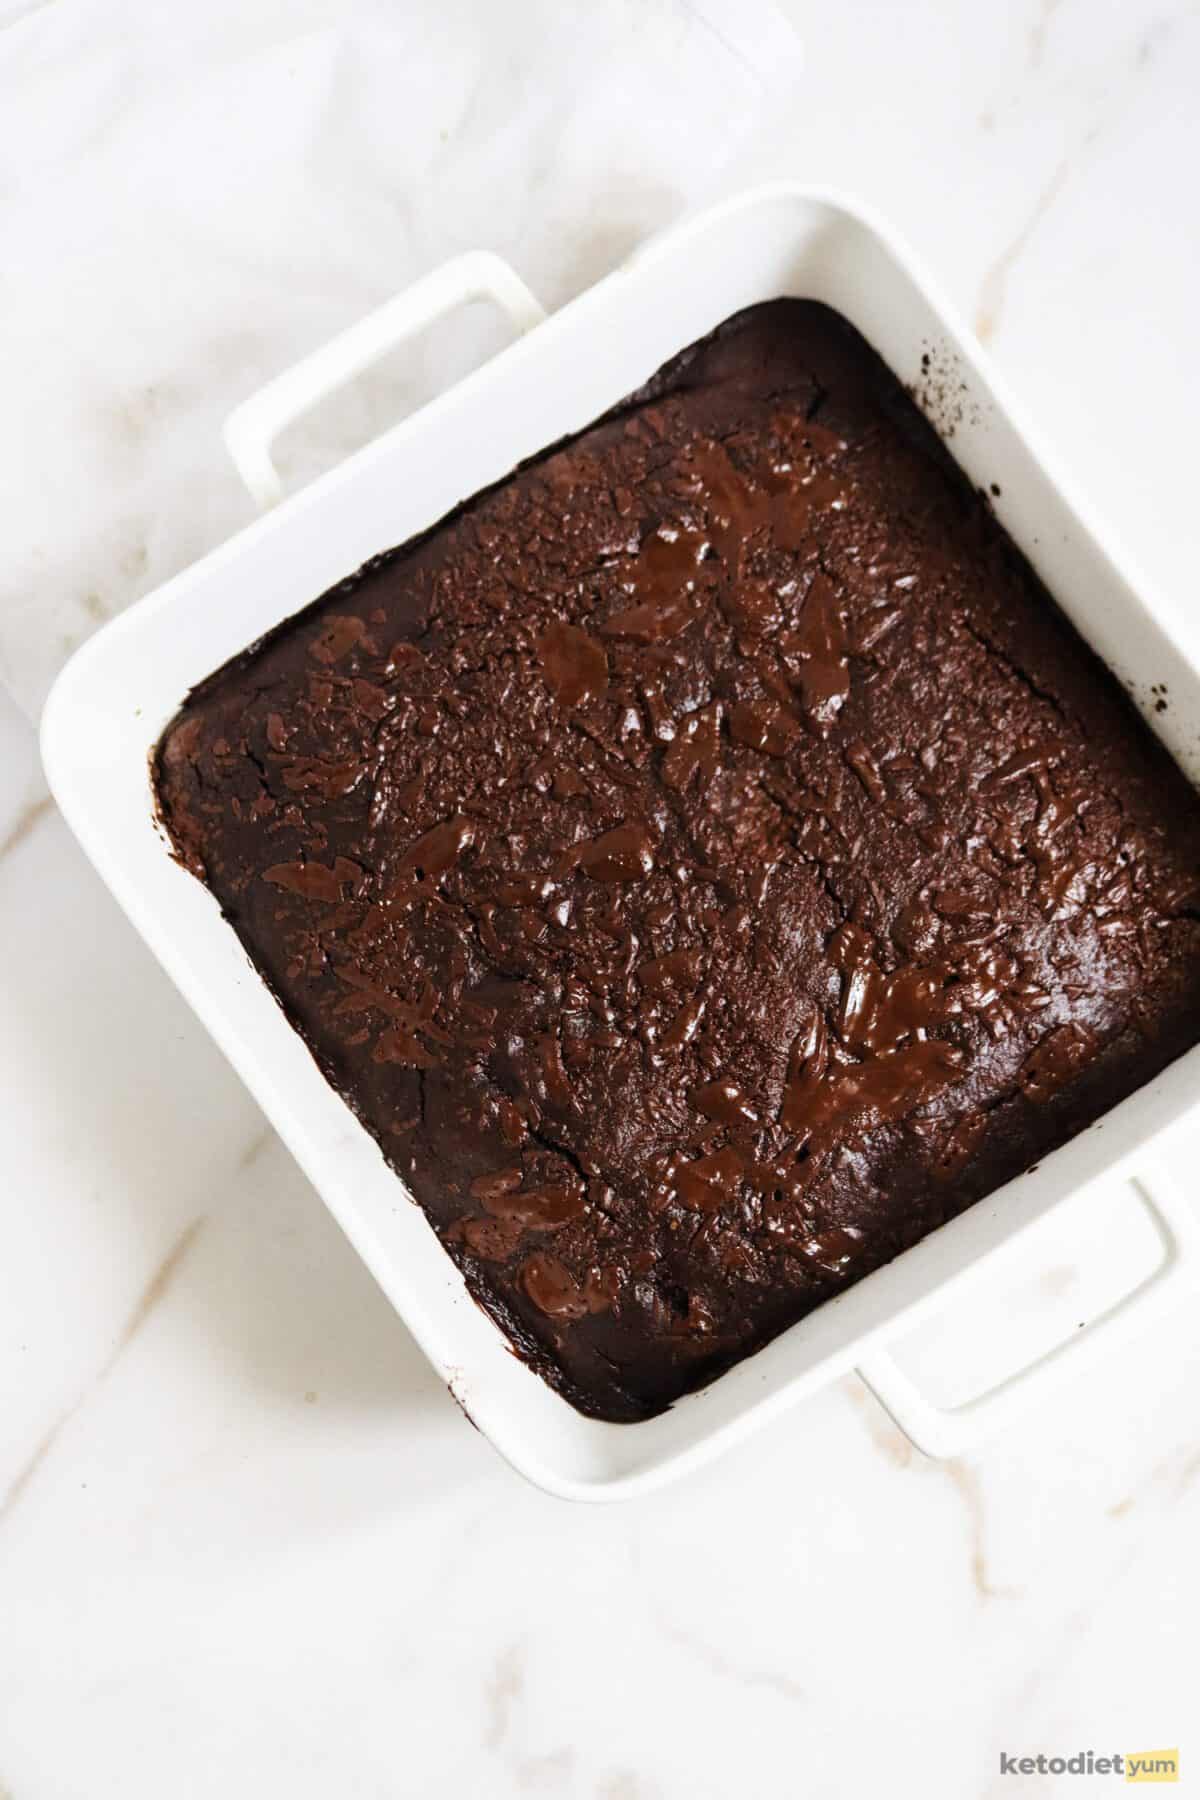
[{"x": 705, "y": 862}]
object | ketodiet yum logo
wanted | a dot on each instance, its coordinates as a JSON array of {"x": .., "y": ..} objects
[{"x": 1129, "y": 1765}]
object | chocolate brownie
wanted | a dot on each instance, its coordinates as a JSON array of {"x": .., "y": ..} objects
[{"x": 705, "y": 862}]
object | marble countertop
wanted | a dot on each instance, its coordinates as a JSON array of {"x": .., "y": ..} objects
[{"x": 248, "y": 1544}]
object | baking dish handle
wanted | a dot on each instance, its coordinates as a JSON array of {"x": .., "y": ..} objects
[
  {"x": 946, "y": 1431},
  {"x": 252, "y": 427}
]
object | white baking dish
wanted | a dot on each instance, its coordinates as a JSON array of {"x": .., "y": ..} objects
[{"x": 114, "y": 698}]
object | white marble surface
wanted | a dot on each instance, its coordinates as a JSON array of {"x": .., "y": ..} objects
[{"x": 248, "y": 1546}]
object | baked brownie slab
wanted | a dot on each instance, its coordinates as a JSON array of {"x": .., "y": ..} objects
[{"x": 705, "y": 862}]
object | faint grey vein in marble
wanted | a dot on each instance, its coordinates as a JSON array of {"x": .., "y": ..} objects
[
  {"x": 1039, "y": 31},
  {"x": 968, "y": 1484},
  {"x": 993, "y": 289},
  {"x": 725, "y": 1669},
  {"x": 964, "y": 1478},
  {"x": 1175, "y": 1475},
  {"x": 260, "y": 1142},
  {"x": 154, "y": 1291},
  {"x": 25, "y": 823},
  {"x": 503, "y": 1692}
]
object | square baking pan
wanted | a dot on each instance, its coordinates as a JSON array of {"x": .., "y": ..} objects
[{"x": 120, "y": 690}]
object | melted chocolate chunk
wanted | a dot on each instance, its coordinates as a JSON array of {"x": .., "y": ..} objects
[{"x": 706, "y": 861}]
